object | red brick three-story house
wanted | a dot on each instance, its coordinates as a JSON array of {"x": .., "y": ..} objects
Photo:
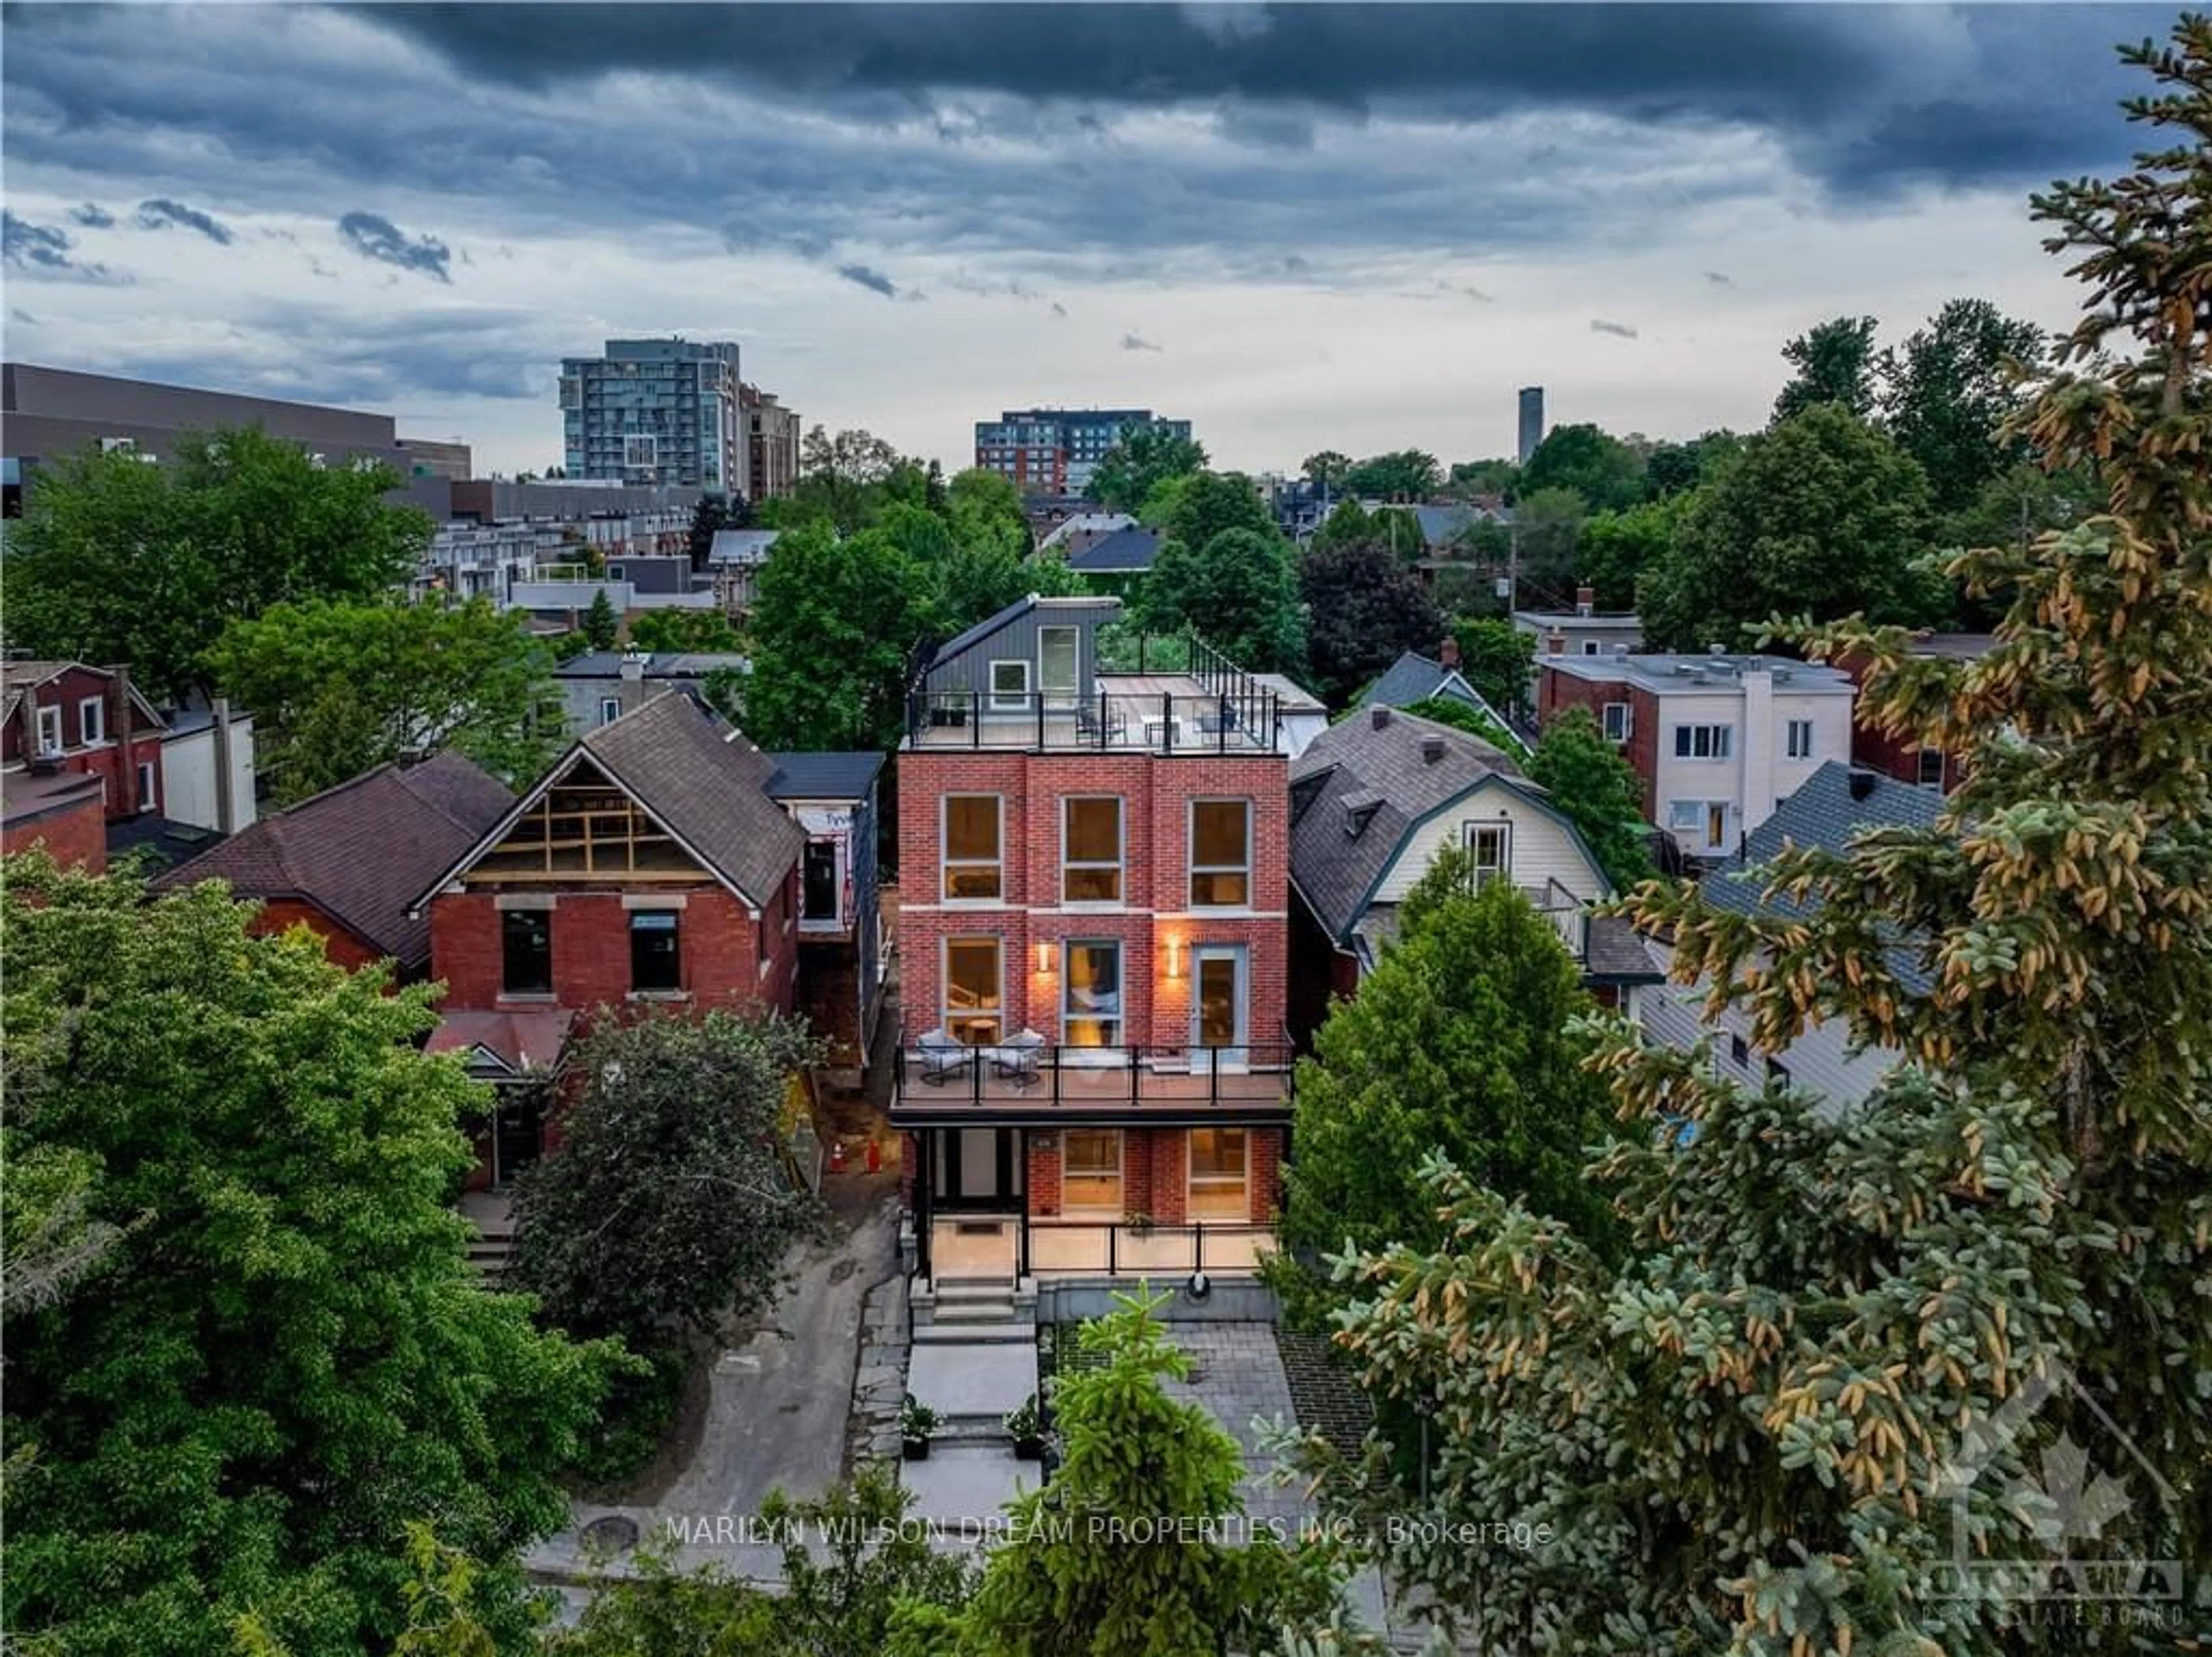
[{"x": 1094, "y": 1074}]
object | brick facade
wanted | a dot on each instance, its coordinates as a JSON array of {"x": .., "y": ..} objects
[
  {"x": 112, "y": 758},
  {"x": 73, "y": 835},
  {"x": 341, "y": 946},
  {"x": 1556, "y": 692},
  {"x": 1156, "y": 1174}
]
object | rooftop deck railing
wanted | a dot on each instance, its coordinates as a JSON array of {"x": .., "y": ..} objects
[
  {"x": 1134, "y": 1077},
  {"x": 1233, "y": 718}
]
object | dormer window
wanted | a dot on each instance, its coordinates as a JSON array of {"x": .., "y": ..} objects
[
  {"x": 1359, "y": 810},
  {"x": 50, "y": 729}
]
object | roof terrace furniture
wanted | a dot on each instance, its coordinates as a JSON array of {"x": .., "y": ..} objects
[
  {"x": 943, "y": 1056},
  {"x": 1017, "y": 1056}
]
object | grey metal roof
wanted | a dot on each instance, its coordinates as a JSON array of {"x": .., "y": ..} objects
[
  {"x": 1413, "y": 678},
  {"x": 824, "y": 776},
  {"x": 1126, "y": 551},
  {"x": 1351, "y": 761},
  {"x": 1823, "y": 812},
  {"x": 708, "y": 784}
]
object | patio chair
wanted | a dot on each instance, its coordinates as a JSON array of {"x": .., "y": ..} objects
[
  {"x": 1017, "y": 1058},
  {"x": 942, "y": 1056}
]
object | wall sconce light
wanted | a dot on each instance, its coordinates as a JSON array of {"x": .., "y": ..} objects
[
  {"x": 1047, "y": 956},
  {"x": 1175, "y": 958}
]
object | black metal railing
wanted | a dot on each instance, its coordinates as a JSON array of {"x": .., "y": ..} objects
[
  {"x": 1231, "y": 720},
  {"x": 1140, "y": 1248},
  {"x": 1010, "y": 1073}
]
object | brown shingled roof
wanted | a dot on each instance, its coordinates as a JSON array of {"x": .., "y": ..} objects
[{"x": 360, "y": 852}]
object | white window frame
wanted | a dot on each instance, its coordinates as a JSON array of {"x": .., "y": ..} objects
[
  {"x": 1194, "y": 1181},
  {"x": 1069, "y": 865},
  {"x": 50, "y": 727},
  {"x": 92, "y": 720},
  {"x": 1195, "y": 868},
  {"x": 946, "y": 1011},
  {"x": 149, "y": 786},
  {"x": 610, "y": 709},
  {"x": 1920, "y": 777},
  {"x": 1698, "y": 828},
  {"x": 1626, "y": 721},
  {"x": 1797, "y": 739},
  {"x": 1589, "y": 646},
  {"x": 1069, "y": 1013},
  {"x": 1010, "y": 701},
  {"x": 1717, "y": 740},
  {"x": 1073, "y": 688},
  {"x": 1473, "y": 832},
  {"x": 946, "y": 862},
  {"x": 1120, "y": 1176}
]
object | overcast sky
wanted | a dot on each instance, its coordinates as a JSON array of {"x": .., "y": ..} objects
[{"x": 1300, "y": 227}]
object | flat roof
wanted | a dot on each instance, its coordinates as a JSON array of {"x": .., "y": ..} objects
[{"x": 1661, "y": 674}]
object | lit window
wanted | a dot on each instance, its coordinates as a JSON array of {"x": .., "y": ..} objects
[
  {"x": 1219, "y": 1171},
  {"x": 973, "y": 857},
  {"x": 1090, "y": 1015},
  {"x": 655, "y": 959},
  {"x": 1090, "y": 870},
  {"x": 1090, "y": 1170},
  {"x": 973, "y": 999},
  {"x": 1220, "y": 854}
]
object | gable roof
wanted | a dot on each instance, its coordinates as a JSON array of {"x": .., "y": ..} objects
[
  {"x": 1416, "y": 677},
  {"x": 1354, "y": 768},
  {"x": 360, "y": 851},
  {"x": 1125, "y": 552},
  {"x": 693, "y": 775},
  {"x": 1084, "y": 523},
  {"x": 959, "y": 644},
  {"x": 1823, "y": 812},
  {"x": 824, "y": 776},
  {"x": 21, "y": 679}
]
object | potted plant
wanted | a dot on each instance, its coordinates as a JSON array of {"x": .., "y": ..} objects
[
  {"x": 1025, "y": 1426},
  {"x": 1139, "y": 1222},
  {"x": 917, "y": 1421}
]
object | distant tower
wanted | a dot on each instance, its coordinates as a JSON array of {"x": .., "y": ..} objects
[{"x": 1532, "y": 420}]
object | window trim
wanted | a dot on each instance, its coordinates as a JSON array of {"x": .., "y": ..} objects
[
  {"x": 150, "y": 786},
  {"x": 1721, "y": 739},
  {"x": 97, "y": 708},
  {"x": 1790, "y": 747},
  {"x": 1009, "y": 701},
  {"x": 1070, "y": 865},
  {"x": 1475, "y": 827},
  {"x": 1627, "y": 712},
  {"x": 1589, "y": 646},
  {"x": 1069, "y": 1014},
  {"x": 946, "y": 862},
  {"x": 610, "y": 709},
  {"x": 816, "y": 845},
  {"x": 1121, "y": 1175},
  {"x": 1920, "y": 777},
  {"x": 59, "y": 741},
  {"x": 648, "y": 921},
  {"x": 945, "y": 1010},
  {"x": 1073, "y": 690},
  {"x": 1193, "y": 868},
  {"x": 1192, "y": 1180}
]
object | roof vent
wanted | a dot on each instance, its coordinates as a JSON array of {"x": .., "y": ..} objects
[
  {"x": 1716, "y": 649},
  {"x": 1862, "y": 782},
  {"x": 1358, "y": 808},
  {"x": 1378, "y": 717},
  {"x": 1432, "y": 750}
]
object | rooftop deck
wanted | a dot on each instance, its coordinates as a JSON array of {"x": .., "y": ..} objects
[{"x": 1135, "y": 713}]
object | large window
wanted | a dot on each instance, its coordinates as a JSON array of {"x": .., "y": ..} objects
[
  {"x": 526, "y": 939},
  {"x": 1220, "y": 854},
  {"x": 818, "y": 892},
  {"x": 1220, "y": 1185},
  {"x": 1090, "y": 851},
  {"x": 1704, "y": 741},
  {"x": 656, "y": 963},
  {"x": 1090, "y": 1170},
  {"x": 1491, "y": 844},
  {"x": 973, "y": 854},
  {"x": 1056, "y": 654},
  {"x": 974, "y": 1004},
  {"x": 1090, "y": 1015}
]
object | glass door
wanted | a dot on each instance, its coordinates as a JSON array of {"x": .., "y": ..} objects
[{"x": 1219, "y": 1016}]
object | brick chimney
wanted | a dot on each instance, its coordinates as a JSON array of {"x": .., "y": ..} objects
[
  {"x": 1448, "y": 652},
  {"x": 1555, "y": 642},
  {"x": 1378, "y": 717},
  {"x": 1585, "y": 601},
  {"x": 631, "y": 695}
]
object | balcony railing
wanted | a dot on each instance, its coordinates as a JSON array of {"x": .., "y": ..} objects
[
  {"x": 1145, "y": 1076},
  {"x": 1221, "y": 1248},
  {"x": 1241, "y": 718},
  {"x": 1568, "y": 915}
]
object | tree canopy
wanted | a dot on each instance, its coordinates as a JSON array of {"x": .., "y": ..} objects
[
  {"x": 1615, "y": 548},
  {"x": 1209, "y": 504},
  {"x": 1366, "y": 610},
  {"x": 1605, "y": 472},
  {"x": 1868, "y": 1380},
  {"x": 1350, "y": 524},
  {"x": 1144, "y": 457},
  {"x": 1948, "y": 390},
  {"x": 118, "y": 560},
  {"x": 1835, "y": 364},
  {"x": 339, "y": 688},
  {"x": 1497, "y": 658},
  {"x": 602, "y": 623},
  {"x": 1239, "y": 593},
  {"x": 832, "y": 631},
  {"x": 1405, "y": 474},
  {"x": 1591, "y": 782},
  {"x": 1821, "y": 516},
  {"x": 282, "y": 1357},
  {"x": 694, "y": 631}
]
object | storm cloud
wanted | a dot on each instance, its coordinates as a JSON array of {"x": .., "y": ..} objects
[
  {"x": 162, "y": 214},
  {"x": 874, "y": 281}
]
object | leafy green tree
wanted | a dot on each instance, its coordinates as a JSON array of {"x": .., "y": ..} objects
[
  {"x": 1822, "y": 516},
  {"x": 714, "y": 513},
  {"x": 668, "y": 1203},
  {"x": 1107, "y": 1560},
  {"x": 1673, "y": 469},
  {"x": 602, "y": 623},
  {"x": 844, "y": 480},
  {"x": 1754, "y": 1435},
  {"x": 1615, "y": 548},
  {"x": 1948, "y": 390},
  {"x": 283, "y": 1355},
  {"x": 1350, "y": 524},
  {"x": 685, "y": 631},
  {"x": 1404, "y": 474},
  {"x": 984, "y": 510},
  {"x": 1240, "y": 594},
  {"x": 1492, "y": 477},
  {"x": 1366, "y": 610},
  {"x": 338, "y": 688},
  {"x": 1548, "y": 525},
  {"x": 1144, "y": 458},
  {"x": 1459, "y": 1042},
  {"x": 1461, "y": 716},
  {"x": 1211, "y": 502},
  {"x": 1589, "y": 779},
  {"x": 1605, "y": 472},
  {"x": 1835, "y": 363},
  {"x": 118, "y": 560},
  {"x": 832, "y": 631},
  {"x": 1326, "y": 469},
  {"x": 1497, "y": 658}
]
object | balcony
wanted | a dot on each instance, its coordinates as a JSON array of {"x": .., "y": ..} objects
[
  {"x": 959, "y": 1248},
  {"x": 1132, "y": 713},
  {"x": 954, "y": 1086}
]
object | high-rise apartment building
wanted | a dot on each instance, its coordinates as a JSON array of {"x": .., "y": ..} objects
[
  {"x": 771, "y": 444},
  {"x": 656, "y": 412},
  {"x": 1055, "y": 451},
  {"x": 1532, "y": 421}
]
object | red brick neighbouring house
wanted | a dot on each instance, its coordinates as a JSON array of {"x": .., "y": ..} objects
[
  {"x": 348, "y": 862},
  {"x": 647, "y": 871},
  {"x": 1094, "y": 1073},
  {"x": 79, "y": 748}
]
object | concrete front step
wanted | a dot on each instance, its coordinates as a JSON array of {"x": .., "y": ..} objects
[{"x": 1004, "y": 1330}]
